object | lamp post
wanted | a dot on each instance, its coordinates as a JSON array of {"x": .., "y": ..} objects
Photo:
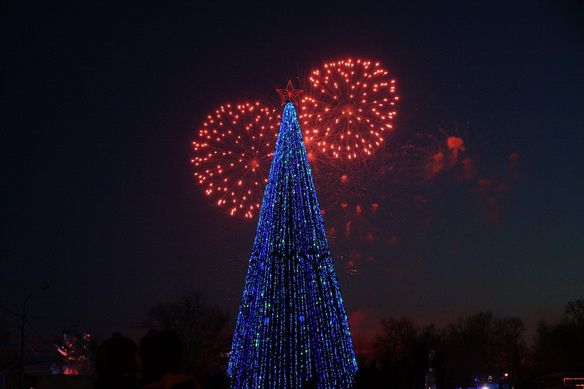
[{"x": 27, "y": 297}]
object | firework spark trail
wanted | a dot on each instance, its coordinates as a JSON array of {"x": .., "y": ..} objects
[
  {"x": 376, "y": 181},
  {"x": 347, "y": 114},
  {"x": 348, "y": 108},
  {"x": 232, "y": 155}
]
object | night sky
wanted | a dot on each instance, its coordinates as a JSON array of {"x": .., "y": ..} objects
[{"x": 100, "y": 104}]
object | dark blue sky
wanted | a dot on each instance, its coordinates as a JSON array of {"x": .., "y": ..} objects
[{"x": 101, "y": 102}]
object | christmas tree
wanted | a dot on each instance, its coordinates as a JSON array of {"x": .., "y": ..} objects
[{"x": 292, "y": 327}]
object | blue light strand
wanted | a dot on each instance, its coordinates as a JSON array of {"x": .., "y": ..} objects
[{"x": 292, "y": 325}]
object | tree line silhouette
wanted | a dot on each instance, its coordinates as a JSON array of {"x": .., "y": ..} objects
[
  {"x": 462, "y": 353},
  {"x": 469, "y": 349}
]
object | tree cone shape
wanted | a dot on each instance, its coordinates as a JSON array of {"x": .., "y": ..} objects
[{"x": 292, "y": 328}]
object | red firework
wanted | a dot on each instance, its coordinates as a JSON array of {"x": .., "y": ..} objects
[
  {"x": 348, "y": 109},
  {"x": 232, "y": 155}
]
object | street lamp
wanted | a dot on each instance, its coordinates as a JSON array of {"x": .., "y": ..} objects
[{"x": 27, "y": 296}]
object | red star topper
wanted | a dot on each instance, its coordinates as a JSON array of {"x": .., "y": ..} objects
[{"x": 289, "y": 93}]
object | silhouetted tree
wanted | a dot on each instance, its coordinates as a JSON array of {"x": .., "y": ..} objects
[
  {"x": 429, "y": 340},
  {"x": 574, "y": 313},
  {"x": 509, "y": 346},
  {"x": 395, "y": 349},
  {"x": 403, "y": 350},
  {"x": 202, "y": 327},
  {"x": 558, "y": 347},
  {"x": 482, "y": 344},
  {"x": 467, "y": 349}
]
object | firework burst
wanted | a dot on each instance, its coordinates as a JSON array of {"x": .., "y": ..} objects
[
  {"x": 232, "y": 155},
  {"x": 349, "y": 108}
]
